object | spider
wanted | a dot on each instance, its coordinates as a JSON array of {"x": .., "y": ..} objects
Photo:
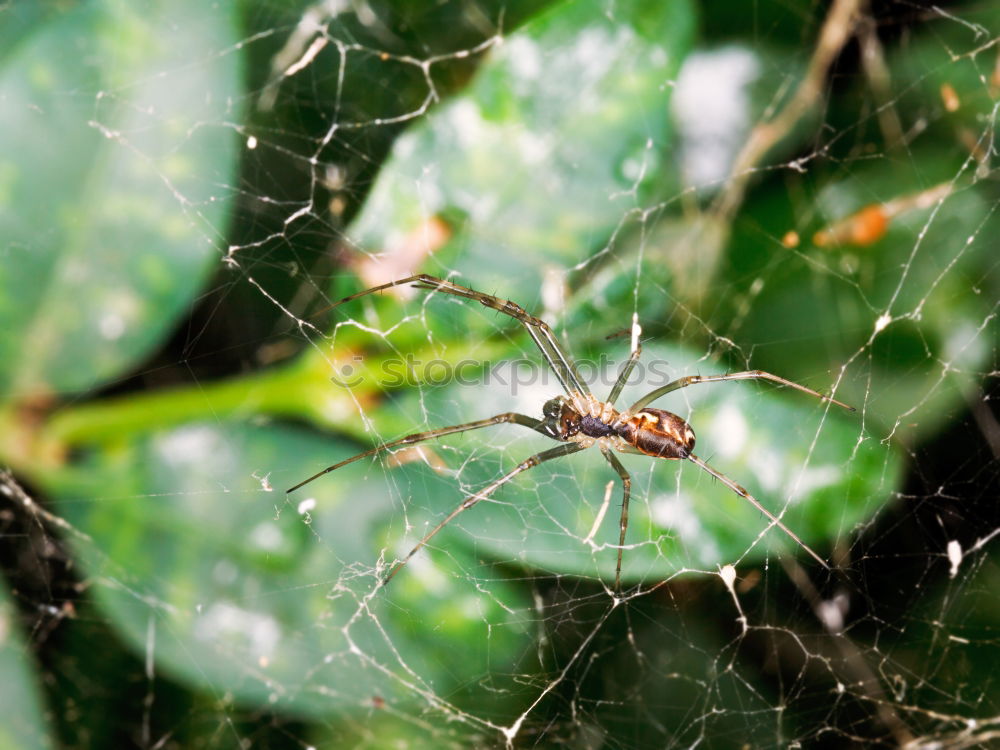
[{"x": 578, "y": 420}]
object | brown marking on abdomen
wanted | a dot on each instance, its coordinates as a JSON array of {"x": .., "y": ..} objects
[{"x": 659, "y": 433}]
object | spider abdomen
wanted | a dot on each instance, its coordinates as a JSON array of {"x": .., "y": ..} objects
[{"x": 658, "y": 433}]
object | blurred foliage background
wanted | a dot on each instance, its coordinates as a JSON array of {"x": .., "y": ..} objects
[{"x": 804, "y": 189}]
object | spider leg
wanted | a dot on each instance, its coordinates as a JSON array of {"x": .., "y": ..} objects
[
  {"x": 753, "y": 501},
  {"x": 623, "y": 523},
  {"x": 562, "y": 365},
  {"x": 623, "y": 375},
  {"x": 559, "y": 451},
  {"x": 417, "y": 437},
  {"x": 748, "y": 375}
]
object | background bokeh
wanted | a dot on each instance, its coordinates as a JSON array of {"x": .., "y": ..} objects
[{"x": 186, "y": 188}]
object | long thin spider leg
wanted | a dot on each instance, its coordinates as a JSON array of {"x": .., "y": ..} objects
[
  {"x": 623, "y": 523},
  {"x": 748, "y": 375},
  {"x": 543, "y": 337},
  {"x": 562, "y": 365},
  {"x": 753, "y": 501},
  {"x": 521, "y": 419},
  {"x": 560, "y": 450},
  {"x": 623, "y": 375}
]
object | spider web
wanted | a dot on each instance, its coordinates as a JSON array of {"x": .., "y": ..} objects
[{"x": 808, "y": 192}]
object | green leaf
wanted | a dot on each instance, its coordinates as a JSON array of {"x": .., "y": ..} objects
[
  {"x": 560, "y": 138},
  {"x": 22, "y": 724},
  {"x": 800, "y": 457},
  {"x": 115, "y": 199},
  {"x": 897, "y": 313},
  {"x": 271, "y": 600},
  {"x": 562, "y": 133},
  {"x": 908, "y": 317}
]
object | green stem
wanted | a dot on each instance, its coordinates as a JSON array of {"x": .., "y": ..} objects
[{"x": 304, "y": 389}]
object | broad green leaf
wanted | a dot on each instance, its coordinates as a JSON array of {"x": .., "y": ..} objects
[
  {"x": 811, "y": 462},
  {"x": 668, "y": 261},
  {"x": 561, "y": 137},
  {"x": 562, "y": 133},
  {"x": 22, "y": 724},
  {"x": 272, "y": 601},
  {"x": 115, "y": 185}
]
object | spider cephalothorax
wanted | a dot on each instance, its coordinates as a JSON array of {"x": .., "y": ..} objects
[
  {"x": 581, "y": 419},
  {"x": 578, "y": 420}
]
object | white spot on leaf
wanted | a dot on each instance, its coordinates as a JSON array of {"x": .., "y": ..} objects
[
  {"x": 225, "y": 622},
  {"x": 730, "y": 432},
  {"x": 266, "y": 536},
  {"x": 712, "y": 107}
]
